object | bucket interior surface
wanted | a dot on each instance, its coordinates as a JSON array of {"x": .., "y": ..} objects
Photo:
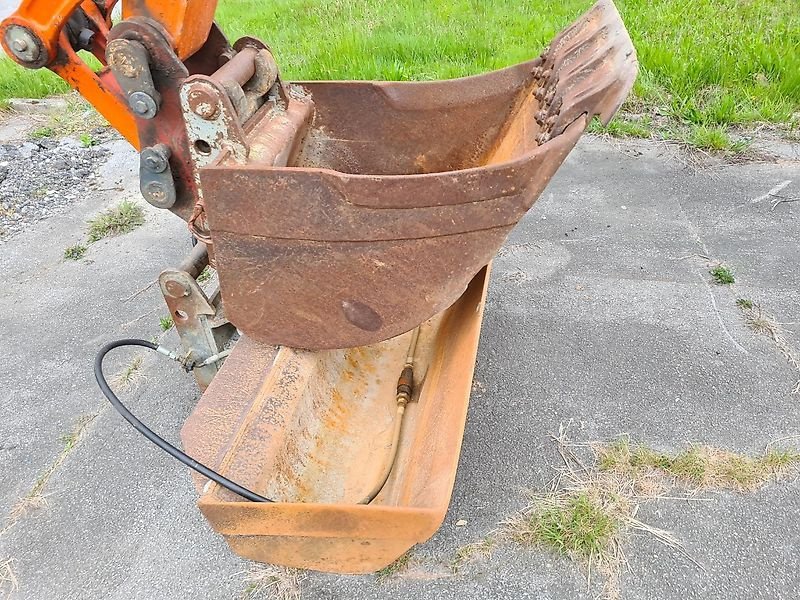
[{"x": 389, "y": 128}]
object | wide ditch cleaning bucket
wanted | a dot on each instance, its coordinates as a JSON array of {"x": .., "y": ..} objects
[{"x": 359, "y": 211}]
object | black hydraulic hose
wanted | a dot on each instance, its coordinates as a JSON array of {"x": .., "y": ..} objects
[{"x": 150, "y": 435}]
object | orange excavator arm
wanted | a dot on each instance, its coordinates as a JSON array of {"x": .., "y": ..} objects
[{"x": 48, "y": 33}]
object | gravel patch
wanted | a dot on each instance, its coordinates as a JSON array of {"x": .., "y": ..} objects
[{"x": 42, "y": 178}]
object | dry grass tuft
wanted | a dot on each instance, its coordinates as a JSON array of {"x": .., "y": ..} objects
[
  {"x": 272, "y": 582},
  {"x": 130, "y": 374},
  {"x": 481, "y": 549},
  {"x": 699, "y": 466},
  {"x": 762, "y": 323},
  {"x": 36, "y": 498},
  {"x": 8, "y": 579}
]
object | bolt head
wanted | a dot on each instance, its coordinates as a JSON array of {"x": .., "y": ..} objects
[
  {"x": 155, "y": 191},
  {"x": 203, "y": 104},
  {"x": 24, "y": 46},
  {"x": 154, "y": 161},
  {"x": 206, "y": 111},
  {"x": 143, "y": 105},
  {"x": 176, "y": 289}
]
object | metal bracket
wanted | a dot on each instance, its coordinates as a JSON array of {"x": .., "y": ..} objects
[
  {"x": 155, "y": 176},
  {"x": 200, "y": 321},
  {"x": 211, "y": 122},
  {"x": 130, "y": 63}
]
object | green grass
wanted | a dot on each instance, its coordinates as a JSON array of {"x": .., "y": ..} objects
[
  {"x": 124, "y": 217},
  {"x": 709, "y": 63},
  {"x": 43, "y": 132},
  {"x": 699, "y": 465},
  {"x": 722, "y": 275},
  {"x": 205, "y": 276},
  {"x": 76, "y": 252},
  {"x": 714, "y": 138},
  {"x": 579, "y": 525},
  {"x": 87, "y": 140},
  {"x": 624, "y": 127},
  {"x": 166, "y": 323}
]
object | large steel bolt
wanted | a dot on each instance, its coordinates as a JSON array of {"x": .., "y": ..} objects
[
  {"x": 24, "y": 46},
  {"x": 177, "y": 289},
  {"x": 156, "y": 158},
  {"x": 155, "y": 192},
  {"x": 143, "y": 104},
  {"x": 204, "y": 104},
  {"x": 19, "y": 45}
]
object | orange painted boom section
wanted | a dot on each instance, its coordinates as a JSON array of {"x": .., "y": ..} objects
[{"x": 187, "y": 23}]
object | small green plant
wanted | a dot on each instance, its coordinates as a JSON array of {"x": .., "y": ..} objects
[
  {"x": 722, "y": 275},
  {"x": 43, "y": 132},
  {"x": 87, "y": 141},
  {"x": 76, "y": 252},
  {"x": 206, "y": 275},
  {"x": 744, "y": 303},
  {"x": 166, "y": 323},
  {"x": 128, "y": 376},
  {"x": 124, "y": 217}
]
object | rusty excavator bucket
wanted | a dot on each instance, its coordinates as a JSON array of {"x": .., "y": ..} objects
[{"x": 351, "y": 225}]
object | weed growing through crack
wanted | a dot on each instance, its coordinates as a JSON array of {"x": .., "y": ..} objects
[
  {"x": 586, "y": 515},
  {"x": 399, "y": 566},
  {"x": 744, "y": 303},
  {"x": 722, "y": 275},
  {"x": 582, "y": 524},
  {"x": 590, "y": 509},
  {"x": 763, "y": 323},
  {"x": 699, "y": 466},
  {"x": 76, "y": 252},
  {"x": 205, "y": 276},
  {"x": 130, "y": 374},
  {"x": 274, "y": 582},
  {"x": 481, "y": 549},
  {"x": 36, "y": 497},
  {"x": 166, "y": 323},
  {"x": 123, "y": 218}
]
